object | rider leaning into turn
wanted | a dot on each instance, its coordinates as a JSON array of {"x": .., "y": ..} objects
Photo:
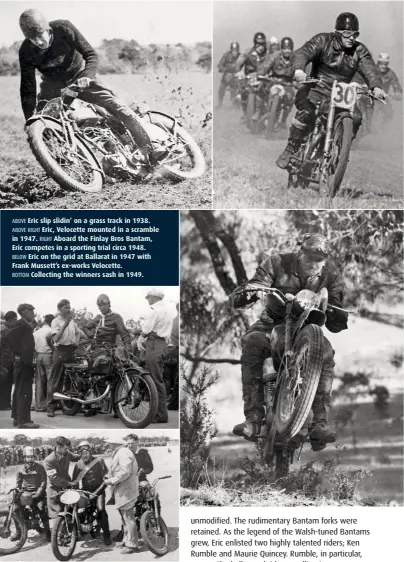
[
  {"x": 64, "y": 57},
  {"x": 32, "y": 478},
  {"x": 309, "y": 268},
  {"x": 279, "y": 66},
  {"x": 227, "y": 65},
  {"x": 250, "y": 60},
  {"x": 334, "y": 56},
  {"x": 91, "y": 472}
]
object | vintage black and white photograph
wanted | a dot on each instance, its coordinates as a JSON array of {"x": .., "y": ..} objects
[
  {"x": 308, "y": 105},
  {"x": 105, "y": 104},
  {"x": 89, "y": 357},
  {"x": 292, "y": 341},
  {"x": 77, "y": 495}
]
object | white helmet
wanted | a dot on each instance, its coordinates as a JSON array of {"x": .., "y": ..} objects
[
  {"x": 28, "y": 452},
  {"x": 273, "y": 40},
  {"x": 84, "y": 445},
  {"x": 383, "y": 57}
]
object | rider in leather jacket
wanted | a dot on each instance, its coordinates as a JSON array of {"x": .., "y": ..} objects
[
  {"x": 227, "y": 66},
  {"x": 250, "y": 61}
]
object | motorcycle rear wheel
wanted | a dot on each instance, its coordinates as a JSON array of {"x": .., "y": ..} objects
[
  {"x": 305, "y": 370},
  {"x": 61, "y": 165},
  {"x": 342, "y": 140},
  {"x": 146, "y": 396},
  {"x": 148, "y": 523},
  {"x": 63, "y": 525},
  {"x": 198, "y": 164},
  {"x": 20, "y": 528},
  {"x": 272, "y": 116}
]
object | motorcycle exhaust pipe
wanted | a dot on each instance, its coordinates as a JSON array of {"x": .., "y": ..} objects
[{"x": 59, "y": 396}]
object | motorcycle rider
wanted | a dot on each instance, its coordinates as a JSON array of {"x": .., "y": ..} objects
[
  {"x": 334, "y": 56},
  {"x": 273, "y": 45},
  {"x": 307, "y": 268},
  {"x": 249, "y": 61},
  {"x": 279, "y": 66},
  {"x": 57, "y": 469},
  {"x": 108, "y": 325},
  {"x": 389, "y": 81},
  {"x": 32, "y": 478},
  {"x": 63, "y": 56},
  {"x": 92, "y": 471},
  {"x": 227, "y": 67}
]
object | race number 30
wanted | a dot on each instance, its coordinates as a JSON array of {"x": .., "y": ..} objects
[{"x": 343, "y": 95}]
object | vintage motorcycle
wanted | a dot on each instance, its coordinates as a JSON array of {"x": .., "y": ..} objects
[
  {"x": 323, "y": 156},
  {"x": 108, "y": 379},
  {"x": 78, "y": 144},
  {"x": 257, "y": 104},
  {"x": 151, "y": 525},
  {"x": 79, "y": 517},
  {"x": 22, "y": 515},
  {"x": 292, "y": 373}
]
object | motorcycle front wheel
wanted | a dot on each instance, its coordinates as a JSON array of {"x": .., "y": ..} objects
[
  {"x": 155, "y": 540},
  {"x": 74, "y": 169},
  {"x": 332, "y": 173},
  {"x": 298, "y": 386},
  {"x": 136, "y": 406},
  {"x": 272, "y": 116},
  {"x": 64, "y": 538},
  {"x": 251, "y": 109},
  {"x": 13, "y": 540}
]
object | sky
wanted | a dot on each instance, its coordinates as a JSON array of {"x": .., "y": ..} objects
[
  {"x": 380, "y": 23},
  {"x": 156, "y": 21},
  {"x": 129, "y": 302}
]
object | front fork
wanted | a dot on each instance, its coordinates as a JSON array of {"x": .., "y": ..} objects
[{"x": 156, "y": 512}]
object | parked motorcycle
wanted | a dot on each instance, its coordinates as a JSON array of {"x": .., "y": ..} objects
[
  {"x": 323, "y": 156},
  {"x": 79, "y": 517},
  {"x": 291, "y": 375},
  {"x": 151, "y": 525},
  {"x": 108, "y": 379},
  {"x": 76, "y": 146},
  {"x": 21, "y": 516}
]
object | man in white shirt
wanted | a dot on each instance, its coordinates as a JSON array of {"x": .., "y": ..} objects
[
  {"x": 66, "y": 336},
  {"x": 44, "y": 350},
  {"x": 156, "y": 332}
]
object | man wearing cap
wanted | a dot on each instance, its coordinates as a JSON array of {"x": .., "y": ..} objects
[
  {"x": 6, "y": 361},
  {"x": 156, "y": 333},
  {"x": 57, "y": 466},
  {"x": 90, "y": 472},
  {"x": 62, "y": 55},
  {"x": 108, "y": 325},
  {"x": 32, "y": 478},
  {"x": 123, "y": 486},
  {"x": 21, "y": 342},
  {"x": 66, "y": 336},
  {"x": 308, "y": 268},
  {"x": 333, "y": 56},
  {"x": 44, "y": 351}
]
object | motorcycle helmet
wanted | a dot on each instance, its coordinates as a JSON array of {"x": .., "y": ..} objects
[
  {"x": 315, "y": 245},
  {"x": 28, "y": 452},
  {"x": 33, "y": 23},
  {"x": 234, "y": 46},
  {"x": 273, "y": 40},
  {"x": 260, "y": 39},
  {"x": 383, "y": 60},
  {"x": 84, "y": 445},
  {"x": 287, "y": 43},
  {"x": 347, "y": 21}
]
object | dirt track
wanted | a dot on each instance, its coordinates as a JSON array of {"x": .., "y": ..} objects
[{"x": 246, "y": 176}]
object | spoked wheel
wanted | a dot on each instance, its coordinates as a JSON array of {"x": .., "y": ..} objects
[
  {"x": 183, "y": 159},
  {"x": 298, "y": 387},
  {"x": 156, "y": 540},
  {"x": 136, "y": 406},
  {"x": 64, "y": 538},
  {"x": 13, "y": 538},
  {"x": 73, "y": 168},
  {"x": 332, "y": 172}
]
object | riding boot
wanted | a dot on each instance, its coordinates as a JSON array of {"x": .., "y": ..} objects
[
  {"x": 294, "y": 141},
  {"x": 104, "y": 522},
  {"x": 253, "y": 397}
]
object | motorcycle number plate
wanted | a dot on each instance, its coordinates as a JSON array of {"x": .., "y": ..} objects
[{"x": 344, "y": 95}]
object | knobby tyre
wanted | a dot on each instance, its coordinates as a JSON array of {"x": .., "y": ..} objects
[
  {"x": 61, "y": 165},
  {"x": 342, "y": 142},
  {"x": 18, "y": 527},
  {"x": 136, "y": 409},
  {"x": 297, "y": 392},
  {"x": 156, "y": 542},
  {"x": 63, "y": 530},
  {"x": 272, "y": 116}
]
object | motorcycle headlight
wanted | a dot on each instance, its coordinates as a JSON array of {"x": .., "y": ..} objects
[{"x": 70, "y": 497}]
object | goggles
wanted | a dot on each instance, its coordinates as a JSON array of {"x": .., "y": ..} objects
[
  {"x": 348, "y": 34},
  {"x": 316, "y": 246}
]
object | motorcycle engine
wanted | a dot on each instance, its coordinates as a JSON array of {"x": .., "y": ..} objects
[{"x": 86, "y": 527}]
